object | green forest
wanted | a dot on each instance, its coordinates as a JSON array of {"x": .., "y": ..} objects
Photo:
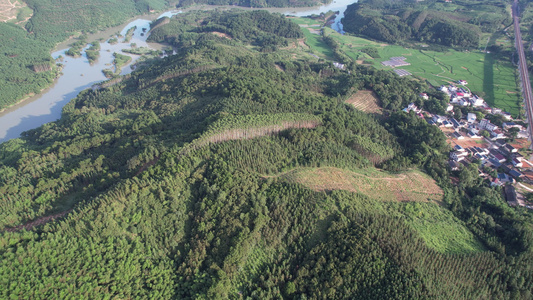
[
  {"x": 459, "y": 24},
  {"x": 172, "y": 182}
]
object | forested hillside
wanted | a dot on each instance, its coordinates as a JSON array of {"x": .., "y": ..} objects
[
  {"x": 25, "y": 64},
  {"x": 174, "y": 183},
  {"x": 457, "y": 24}
]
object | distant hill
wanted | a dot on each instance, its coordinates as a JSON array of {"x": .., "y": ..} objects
[{"x": 455, "y": 24}]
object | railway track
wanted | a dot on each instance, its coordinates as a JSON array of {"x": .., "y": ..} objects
[{"x": 522, "y": 67}]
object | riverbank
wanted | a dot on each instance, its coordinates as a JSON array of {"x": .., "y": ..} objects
[{"x": 33, "y": 111}]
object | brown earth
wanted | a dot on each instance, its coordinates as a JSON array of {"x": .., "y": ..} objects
[
  {"x": 465, "y": 143},
  {"x": 222, "y": 34},
  {"x": 366, "y": 101},
  {"x": 9, "y": 10},
  {"x": 409, "y": 186}
]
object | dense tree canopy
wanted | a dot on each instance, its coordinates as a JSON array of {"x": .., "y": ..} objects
[{"x": 456, "y": 25}]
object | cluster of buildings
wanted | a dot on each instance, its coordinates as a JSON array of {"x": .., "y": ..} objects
[
  {"x": 502, "y": 157},
  {"x": 493, "y": 152},
  {"x": 460, "y": 96}
]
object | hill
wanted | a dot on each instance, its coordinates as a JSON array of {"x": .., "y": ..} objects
[
  {"x": 166, "y": 185},
  {"x": 458, "y": 24}
]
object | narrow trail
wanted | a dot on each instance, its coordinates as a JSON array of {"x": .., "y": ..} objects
[
  {"x": 39, "y": 221},
  {"x": 49, "y": 218}
]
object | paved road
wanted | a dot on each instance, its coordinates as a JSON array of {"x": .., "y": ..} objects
[{"x": 524, "y": 74}]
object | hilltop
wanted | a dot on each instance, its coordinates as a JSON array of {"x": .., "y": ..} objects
[{"x": 204, "y": 175}]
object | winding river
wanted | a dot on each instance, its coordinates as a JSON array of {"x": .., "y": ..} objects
[{"x": 79, "y": 74}]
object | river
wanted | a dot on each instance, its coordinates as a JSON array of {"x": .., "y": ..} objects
[{"x": 79, "y": 74}]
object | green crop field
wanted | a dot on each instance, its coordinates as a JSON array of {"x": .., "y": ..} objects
[
  {"x": 314, "y": 40},
  {"x": 487, "y": 76}
]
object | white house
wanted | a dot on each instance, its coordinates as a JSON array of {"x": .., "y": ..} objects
[
  {"x": 497, "y": 134},
  {"x": 458, "y": 155},
  {"x": 510, "y": 148},
  {"x": 477, "y": 101},
  {"x": 424, "y": 95},
  {"x": 509, "y": 125},
  {"x": 458, "y": 135},
  {"x": 411, "y": 107},
  {"x": 449, "y": 108},
  {"x": 463, "y": 102},
  {"x": 517, "y": 163},
  {"x": 486, "y": 124},
  {"x": 471, "y": 118},
  {"x": 338, "y": 65}
]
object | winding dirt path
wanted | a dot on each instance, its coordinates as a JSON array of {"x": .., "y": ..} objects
[{"x": 39, "y": 221}]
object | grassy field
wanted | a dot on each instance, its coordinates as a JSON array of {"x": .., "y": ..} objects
[
  {"x": 439, "y": 228},
  {"x": 489, "y": 77},
  {"x": 409, "y": 186},
  {"x": 313, "y": 39}
]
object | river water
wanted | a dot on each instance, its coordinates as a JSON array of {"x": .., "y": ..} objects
[{"x": 78, "y": 74}]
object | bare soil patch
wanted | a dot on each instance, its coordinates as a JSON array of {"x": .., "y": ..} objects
[
  {"x": 9, "y": 10},
  {"x": 280, "y": 68},
  {"x": 222, "y": 34},
  {"x": 520, "y": 143},
  {"x": 409, "y": 186},
  {"x": 467, "y": 142},
  {"x": 301, "y": 42},
  {"x": 366, "y": 101}
]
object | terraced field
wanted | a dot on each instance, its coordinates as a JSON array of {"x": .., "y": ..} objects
[{"x": 366, "y": 101}]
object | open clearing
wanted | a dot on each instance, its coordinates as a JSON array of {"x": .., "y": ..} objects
[
  {"x": 489, "y": 77},
  {"x": 366, "y": 101},
  {"x": 376, "y": 184},
  {"x": 222, "y": 34},
  {"x": 14, "y": 11},
  {"x": 313, "y": 39}
]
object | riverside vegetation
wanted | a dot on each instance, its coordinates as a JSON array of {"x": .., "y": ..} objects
[
  {"x": 190, "y": 178},
  {"x": 26, "y": 66}
]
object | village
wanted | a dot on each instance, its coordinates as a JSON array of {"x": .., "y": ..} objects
[{"x": 501, "y": 151}]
